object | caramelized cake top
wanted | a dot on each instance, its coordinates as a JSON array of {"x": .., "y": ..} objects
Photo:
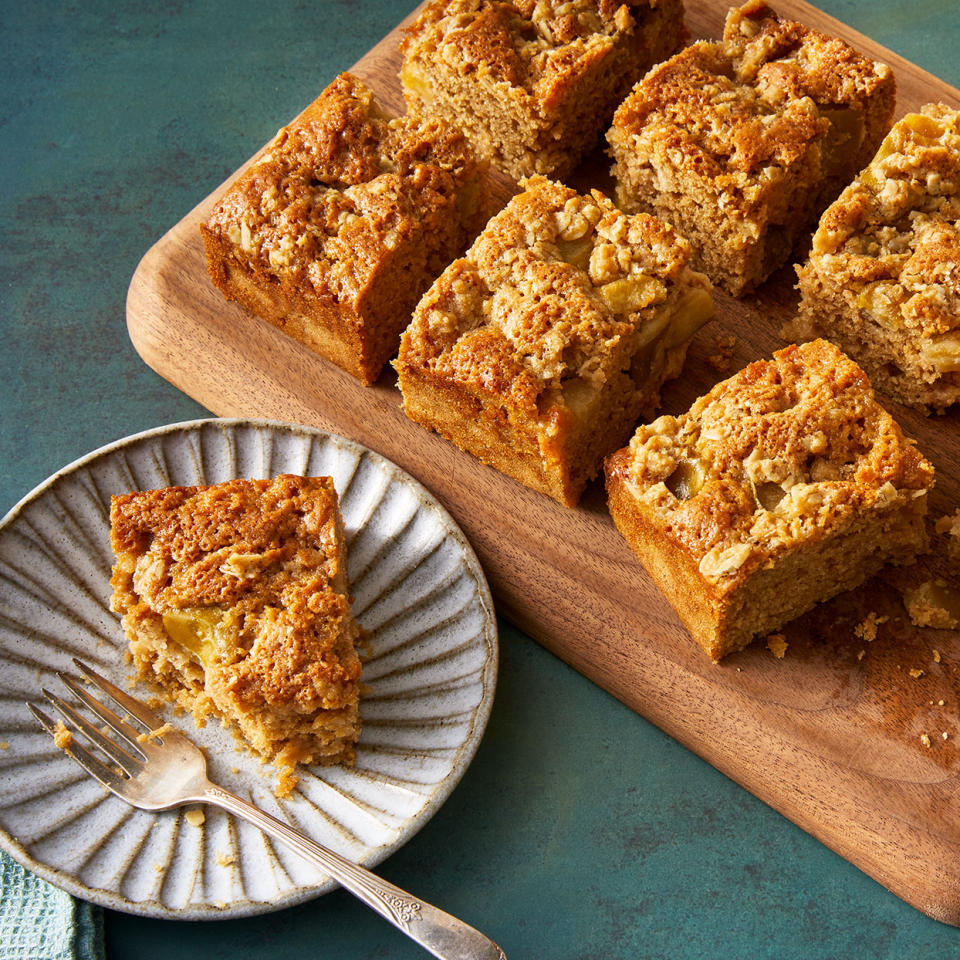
[
  {"x": 342, "y": 187},
  {"x": 559, "y": 287},
  {"x": 788, "y": 450},
  {"x": 248, "y": 574},
  {"x": 538, "y": 47},
  {"x": 743, "y": 110},
  {"x": 894, "y": 234}
]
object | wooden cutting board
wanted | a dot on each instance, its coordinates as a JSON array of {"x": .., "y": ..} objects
[{"x": 832, "y": 735}]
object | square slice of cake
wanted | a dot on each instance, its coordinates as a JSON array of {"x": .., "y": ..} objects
[
  {"x": 343, "y": 221},
  {"x": 783, "y": 486},
  {"x": 540, "y": 349},
  {"x": 740, "y": 144},
  {"x": 883, "y": 276},
  {"x": 534, "y": 84},
  {"x": 235, "y": 602}
]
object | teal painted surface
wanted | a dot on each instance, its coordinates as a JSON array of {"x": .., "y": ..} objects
[{"x": 580, "y": 831}]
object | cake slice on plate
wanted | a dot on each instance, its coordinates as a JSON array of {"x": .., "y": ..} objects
[{"x": 235, "y": 602}]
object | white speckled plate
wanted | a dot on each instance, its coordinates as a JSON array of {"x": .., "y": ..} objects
[{"x": 418, "y": 590}]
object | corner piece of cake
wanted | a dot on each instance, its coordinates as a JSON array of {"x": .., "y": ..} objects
[
  {"x": 540, "y": 349},
  {"x": 337, "y": 228},
  {"x": 783, "y": 486},
  {"x": 533, "y": 83},
  {"x": 883, "y": 276},
  {"x": 741, "y": 143},
  {"x": 235, "y": 602}
]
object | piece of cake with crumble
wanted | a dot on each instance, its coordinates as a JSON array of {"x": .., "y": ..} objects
[
  {"x": 742, "y": 143},
  {"x": 883, "y": 276},
  {"x": 235, "y": 603},
  {"x": 533, "y": 83},
  {"x": 348, "y": 215},
  {"x": 781, "y": 487},
  {"x": 540, "y": 349}
]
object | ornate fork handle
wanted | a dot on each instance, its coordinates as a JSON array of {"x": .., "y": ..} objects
[{"x": 443, "y": 935}]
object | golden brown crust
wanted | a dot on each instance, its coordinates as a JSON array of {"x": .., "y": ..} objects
[
  {"x": 741, "y": 143},
  {"x": 790, "y": 60},
  {"x": 788, "y": 455},
  {"x": 532, "y": 45},
  {"x": 720, "y": 127},
  {"x": 250, "y": 577},
  {"x": 806, "y": 422},
  {"x": 883, "y": 276},
  {"x": 341, "y": 205},
  {"x": 533, "y": 83},
  {"x": 563, "y": 309}
]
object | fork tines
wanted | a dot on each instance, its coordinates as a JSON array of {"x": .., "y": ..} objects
[
  {"x": 134, "y": 707},
  {"x": 128, "y": 755},
  {"x": 109, "y": 777}
]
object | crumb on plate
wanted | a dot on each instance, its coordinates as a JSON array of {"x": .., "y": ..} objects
[{"x": 62, "y": 737}]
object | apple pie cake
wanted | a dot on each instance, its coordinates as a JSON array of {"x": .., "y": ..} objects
[
  {"x": 781, "y": 487},
  {"x": 343, "y": 221},
  {"x": 742, "y": 143},
  {"x": 235, "y": 603},
  {"x": 883, "y": 277},
  {"x": 540, "y": 349},
  {"x": 533, "y": 83}
]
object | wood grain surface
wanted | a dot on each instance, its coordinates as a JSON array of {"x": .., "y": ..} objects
[{"x": 832, "y": 735}]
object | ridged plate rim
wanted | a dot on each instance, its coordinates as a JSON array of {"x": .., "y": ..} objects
[{"x": 464, "y": 751}]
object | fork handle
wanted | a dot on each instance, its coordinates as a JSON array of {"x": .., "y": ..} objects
[{"x": 444, "y": 936}]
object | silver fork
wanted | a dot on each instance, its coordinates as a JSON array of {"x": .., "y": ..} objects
[{"x": 159, "y": 772}]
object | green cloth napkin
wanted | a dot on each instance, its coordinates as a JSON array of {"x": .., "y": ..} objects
[{"x": 40, "y": 922}]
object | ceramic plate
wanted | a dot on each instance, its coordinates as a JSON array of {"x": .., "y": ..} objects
[{"x": 418, "y": 589}]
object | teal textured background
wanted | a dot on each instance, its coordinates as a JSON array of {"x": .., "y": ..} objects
[{"x": 580, "y": 831}]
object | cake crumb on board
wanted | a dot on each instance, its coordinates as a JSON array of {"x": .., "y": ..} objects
[
  {"x": 867, "y": 628},
  {"x": 724, "y": 345},
  {"x": 777, "y": 645},
  {"x": 933, "y": 604}
]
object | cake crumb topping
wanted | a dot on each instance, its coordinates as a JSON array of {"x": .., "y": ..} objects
[
  {"x": 786, "y": 450},
  {"x": 234, "y": 600},
  {"x": 559, "y": 286}
]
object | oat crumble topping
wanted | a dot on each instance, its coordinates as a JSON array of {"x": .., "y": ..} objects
[
  {"x": 888, "y": 250},
  {"x": 559, "y": 286},
  {"x": 332, "y": 194},
  {"x": 784, "y": 451}
]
